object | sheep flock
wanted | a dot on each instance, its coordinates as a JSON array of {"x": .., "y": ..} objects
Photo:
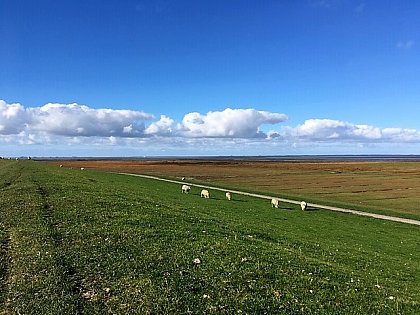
[{"x": 275, "y": 202}]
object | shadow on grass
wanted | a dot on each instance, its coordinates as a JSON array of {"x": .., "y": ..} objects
[
  {"x": 223, "y": 198},
  {"x": 287, "y": 208},
  {"x": 310, "y": 209}
]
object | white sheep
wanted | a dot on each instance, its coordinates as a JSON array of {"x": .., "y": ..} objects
[
  {"x": 303, "y": 205},
  {"x": 61, "y": 165},
  {"x": 228, "y": 195},
  {"x": 274, "y": 203},
  {"x": 185, "y": 189},
  {"x": 82, "y": 168},
  {"x": 205, "y": 194}
]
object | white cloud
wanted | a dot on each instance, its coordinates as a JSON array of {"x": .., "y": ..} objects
[
  {"x": 74, "y": 120},
  {"x": 238, "y": 131},
  {"x": 401, "y": 135},
  {"x": 13, "y": 118},
  {"x": 79, "y": 120},
  {"x": 328, "y": 130},
  {"x": 230, "y": 123},
  {"x": 163, "y": 127}
]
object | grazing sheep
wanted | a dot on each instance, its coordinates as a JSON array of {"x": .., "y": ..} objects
[
  {"x": 205, "y": 194},
  {"x": 228, "y": 195},
  {"x": 185, "y": 189},
  {"x": 274, "y": 203},
  {"x": 82, "y": 168},
  {"x": 61, "y": 165},
  {"x": 303, "y": 205},
  {"x": 183, "y": 178}
]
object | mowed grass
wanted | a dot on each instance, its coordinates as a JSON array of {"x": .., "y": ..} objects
[{"x": 86, "y": 242}]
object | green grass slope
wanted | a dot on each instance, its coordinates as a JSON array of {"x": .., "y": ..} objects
[{"x": 84, "y": 242}]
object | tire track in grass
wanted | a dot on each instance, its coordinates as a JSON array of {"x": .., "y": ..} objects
[
  {"x": 8, "y": 180},
  {"x": 310, "y": 205},
  {"x": 4, "y": 262},
  {"x": 37, "y": 278},
  {"x": 70, "y": 281}
]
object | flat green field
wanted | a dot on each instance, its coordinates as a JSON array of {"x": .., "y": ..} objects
[
  {"x": 384, "y": 187},
  {"x": 88, "y": 242}
]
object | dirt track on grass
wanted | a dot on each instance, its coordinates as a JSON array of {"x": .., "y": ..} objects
[
  {"x": 312, "y": 205},
  {"x": 390, "y": 188}
]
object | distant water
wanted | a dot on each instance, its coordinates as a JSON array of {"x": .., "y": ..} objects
[{"x": 250, "y": 158}]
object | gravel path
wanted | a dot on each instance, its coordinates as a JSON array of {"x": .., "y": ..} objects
[{"x": 313, "y": 205}]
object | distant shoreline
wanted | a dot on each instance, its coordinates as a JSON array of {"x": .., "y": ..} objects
[{"x": 271, "y": 158}]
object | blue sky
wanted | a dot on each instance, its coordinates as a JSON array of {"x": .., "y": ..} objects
[{"x": 164, "y": 77}]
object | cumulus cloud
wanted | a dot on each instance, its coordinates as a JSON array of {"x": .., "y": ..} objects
[
  {"x": 163, "y": 127},
  {"x": 230, "y": 130},
  {"x": 80, "y": 120},
  {"x": 401, "y": 134},
  {"x": 74, "y": 121},
  {"x": 328, "y": 130},
  {"x": 13, "y": 118},
  {"x": 230, "y": 123}
]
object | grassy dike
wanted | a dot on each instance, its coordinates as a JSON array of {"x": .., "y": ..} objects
[{"x": 85, "y": 242}]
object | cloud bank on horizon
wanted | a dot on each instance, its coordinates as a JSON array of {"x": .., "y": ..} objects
[{"x": 80, "y": 125}]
